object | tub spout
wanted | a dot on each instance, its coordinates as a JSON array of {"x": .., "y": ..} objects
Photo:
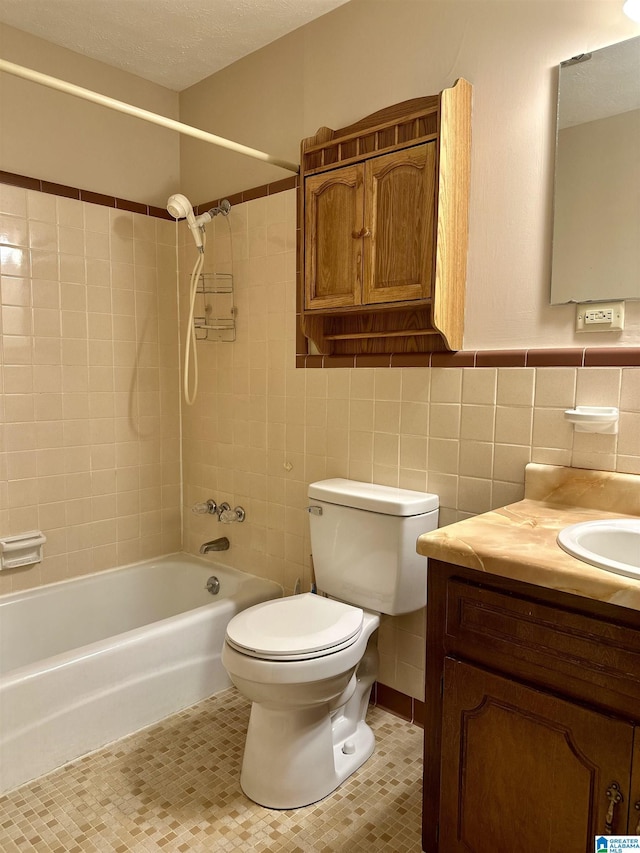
[{"x": 221, "y": 544}]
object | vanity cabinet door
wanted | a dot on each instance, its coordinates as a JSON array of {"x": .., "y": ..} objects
[
  {"x": 634, "y": 801},
  {"x": 522, "y": 770}
]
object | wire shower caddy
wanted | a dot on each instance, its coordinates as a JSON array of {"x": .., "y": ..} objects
[{"x": 215, "y": 311}]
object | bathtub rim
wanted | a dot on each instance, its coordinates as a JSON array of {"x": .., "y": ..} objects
[
  {"x": 60, "y": 660},
  {"x": 23, "y": 593}
]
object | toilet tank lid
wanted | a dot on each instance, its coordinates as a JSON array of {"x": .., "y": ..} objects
[{"x": 372, "y": 497}]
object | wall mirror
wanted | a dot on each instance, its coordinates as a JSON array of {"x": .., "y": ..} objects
[{"x": 596, "y": 225}]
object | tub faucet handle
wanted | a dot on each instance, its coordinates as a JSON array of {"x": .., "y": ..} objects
[
  {"x": 205, "y": 507},
  {"x": 227, "y": 515}
]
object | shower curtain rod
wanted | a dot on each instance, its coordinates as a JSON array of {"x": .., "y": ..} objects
[{"x": 138, "y": 112}]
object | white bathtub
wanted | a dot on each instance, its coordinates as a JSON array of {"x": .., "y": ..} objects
[{"x": 86, "y": 661}]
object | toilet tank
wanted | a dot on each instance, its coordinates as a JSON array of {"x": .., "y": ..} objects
[{"x": 363, "y": 542}]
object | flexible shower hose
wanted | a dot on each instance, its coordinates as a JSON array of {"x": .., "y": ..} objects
[{"x": 190, "y": 340}]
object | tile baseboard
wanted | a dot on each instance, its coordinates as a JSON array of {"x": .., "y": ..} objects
[{"x": 406, "y": 707}]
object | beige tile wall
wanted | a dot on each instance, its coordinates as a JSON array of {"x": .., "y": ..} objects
[
  {"x": 89, "y": 427},
  {"x": 90, "y": 440},
  {"x": 261, "y": 429}
]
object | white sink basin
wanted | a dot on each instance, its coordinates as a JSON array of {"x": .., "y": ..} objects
[{"x": 613, "y": 544}]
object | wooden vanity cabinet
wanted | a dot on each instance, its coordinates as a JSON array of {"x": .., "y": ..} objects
[
  {"x": 532, "y": 735},
  {"x": 383, "y": 211}
]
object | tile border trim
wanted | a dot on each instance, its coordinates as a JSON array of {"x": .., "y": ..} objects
[
  {"x": 560, "y": 357},
  {"x": 586, "y": 357},
  {"x": 25, "y": 182},
  {"x": 253, "y": 193},
  {"x": 397, "y": 703}
]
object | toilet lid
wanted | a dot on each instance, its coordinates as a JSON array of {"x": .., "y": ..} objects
[{"x": 295, "y": 628}]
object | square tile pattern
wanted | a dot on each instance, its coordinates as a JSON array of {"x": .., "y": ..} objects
[
  {"x": 96, "y": 452},
  {"x": 175, "y": 787}
]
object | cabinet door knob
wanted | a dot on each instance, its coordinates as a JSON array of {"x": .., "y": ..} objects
[
  {"x": 637, "y": 808},
  {"x": 614, "y": 795},
  {"x": 363, "y": 232}
]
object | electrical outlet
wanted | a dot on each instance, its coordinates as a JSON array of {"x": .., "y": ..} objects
[{"x": 600, "y": 317}]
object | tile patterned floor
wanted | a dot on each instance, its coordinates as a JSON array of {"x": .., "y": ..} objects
[{"x": 174, "y": 787}]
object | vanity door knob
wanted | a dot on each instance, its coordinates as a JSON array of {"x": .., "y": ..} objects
[{"x": 637, "y": 808}]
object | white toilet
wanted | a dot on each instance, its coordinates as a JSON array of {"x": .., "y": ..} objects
[{"x": 307, "y": 662}]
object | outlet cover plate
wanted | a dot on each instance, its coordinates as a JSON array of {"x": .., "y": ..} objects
[{"x": 600, "y": 317}]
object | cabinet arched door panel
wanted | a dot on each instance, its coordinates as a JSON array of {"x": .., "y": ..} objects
[
  {"x": 525, "y": 771},
  {"x": 399, "y": 225},
  {"x": 333, "y": 238}
]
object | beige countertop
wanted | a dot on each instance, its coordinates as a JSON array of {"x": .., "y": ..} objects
[{"x": 519, "y": 541}]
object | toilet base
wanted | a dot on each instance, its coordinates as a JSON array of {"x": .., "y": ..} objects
[
  {"x": 360, "y": 747},
  {"x": 295, "y": 757},
  {"x": 291, "y": 759}
]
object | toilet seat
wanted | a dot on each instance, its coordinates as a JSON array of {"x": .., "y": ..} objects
[{"x": 300, "y": 627}]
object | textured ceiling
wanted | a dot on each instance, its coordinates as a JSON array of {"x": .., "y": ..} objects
[{"x": 174, "y": 43}]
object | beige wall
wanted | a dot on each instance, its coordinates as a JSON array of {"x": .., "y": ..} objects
[
  {"x": 262, "y": 430},
  {"x": 52, "y": 136},
  {"x": 89, "y": 410},
  {"x": 372, "y": 53}
]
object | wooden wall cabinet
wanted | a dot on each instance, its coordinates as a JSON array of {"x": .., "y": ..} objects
[
  {"x": 532, "y": 737},
  {"x": 384, "y": 209}
]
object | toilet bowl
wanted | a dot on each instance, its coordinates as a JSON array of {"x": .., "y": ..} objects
[
  {"x": 307, "y": 662},
  {"x": 307, "y": 731}
]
